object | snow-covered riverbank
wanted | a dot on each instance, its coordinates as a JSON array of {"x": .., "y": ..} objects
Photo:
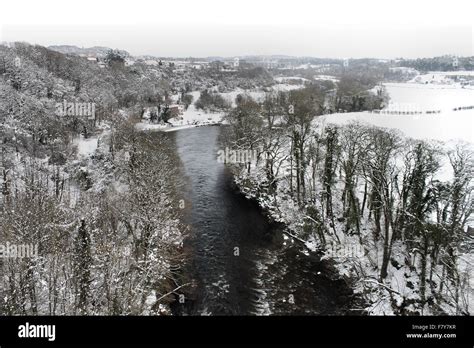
[
  {"x": 357, "y": 253},
  {"x": 193, "y": 117}
]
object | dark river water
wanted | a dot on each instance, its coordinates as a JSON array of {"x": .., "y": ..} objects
[{"x": 239, "y": 259}]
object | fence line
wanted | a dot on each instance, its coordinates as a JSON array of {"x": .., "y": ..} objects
[{"x": 429, "y": 112}]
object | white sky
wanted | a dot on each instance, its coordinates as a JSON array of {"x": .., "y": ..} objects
[{"x": 329, "y": 28}]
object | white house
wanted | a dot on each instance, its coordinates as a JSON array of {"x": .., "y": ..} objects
[{"x": 455, "y": 62}]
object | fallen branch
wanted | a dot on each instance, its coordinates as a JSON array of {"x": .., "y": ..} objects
[
  {"x": 389, "y": 289},
  {"x": 295, "y": 237},
  {"x": 172, "y": 292}
]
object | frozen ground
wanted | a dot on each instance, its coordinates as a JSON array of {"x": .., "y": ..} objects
[
  {"x": 259, "y": 95},
  {"x": 425, "y": 97},
  {"x": 86, "y": 147},
  {"x": 290, "y": 78},
  {"x": 441, "y": 77},
  {"x": 451, "y": 125},
  {"x": 326, "y": 78},
  {"x": 193, "y": 117},
  {"x": 446, "y": 125}
]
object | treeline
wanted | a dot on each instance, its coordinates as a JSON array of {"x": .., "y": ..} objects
[
  {"x": 34, "y": 78},
  {"x": 443, "y": 63},
  {"x": 247, "y": 76},
  {"x": 211, "y": 101},
  {"x": 353, "y": 94},
  {"x": 108, "y": 233},
  {"x": 106, "y": 226},
  {"x": 357, "y": 184}
]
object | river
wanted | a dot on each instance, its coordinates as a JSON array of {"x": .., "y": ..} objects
[{"x": 239, "y": 259}]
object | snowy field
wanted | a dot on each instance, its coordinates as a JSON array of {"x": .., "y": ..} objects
[
  {"x": 445, "y": 126},
  {"x": 449, "y": 127},
  {"x": 326, "y": 78},
  {"x": 442, "y": 77},
  {"x": 259, "y": 95},
  {"x": 193, "y": 117},
  {"x": 283, "y": 79},
  {"x": 422, "y": 97},
  {"x": 85, "y": 147}
]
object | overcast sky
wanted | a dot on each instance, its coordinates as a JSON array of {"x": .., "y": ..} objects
[{"x": 330, "y": 28}]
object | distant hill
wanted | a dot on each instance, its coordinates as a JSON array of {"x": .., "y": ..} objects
[{"x": 97, "y": 51}]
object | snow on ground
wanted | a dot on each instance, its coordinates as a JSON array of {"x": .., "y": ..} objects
[
  {"x": 143, "y": 126},
  {"x": 283, "y": 87},
  {"x": 326, "y": 78},
  {"x": 259, "y": 95},
  {"x": 191, "y": 117},
  {"x": 434, "y": 78},
  {"x": 195, "y": 117},
  {"x": 444, "y": 78},
  {"x": 466, "y": 268},
  {"x": 86, "y": 147},
  {"x": 440, "y": 76},
  {"x": 405, "y": 70},
  {"x": 453, "y": 125},
  {"x": 446, "y": 125},
  {"x": 350, "y": 255},
  {"x": 421, "y": 97},
  {"x": 282, "y": 79},
  {"x": 454, "y": 73}
]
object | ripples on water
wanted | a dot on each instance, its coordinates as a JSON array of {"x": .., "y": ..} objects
[{"x": 265, "y": 277}]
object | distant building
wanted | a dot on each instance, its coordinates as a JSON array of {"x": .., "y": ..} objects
[
  {"x": 228, "y": 66},
  {"x": 271, "y": 64},
  {"x": 455, "y": 62},
  {"x": 151, "y": 62},
  {"x": 236, "y": 62},
  {"x": 100, "y": 61},
  {"x": 199, "y": 65},
  {"x": 176, "y": 110}
]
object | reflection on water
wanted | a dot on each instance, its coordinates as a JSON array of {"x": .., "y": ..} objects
[{"x": 237, "y": 256}]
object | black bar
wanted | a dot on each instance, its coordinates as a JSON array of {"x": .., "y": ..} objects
[{"x": 134, "y": 331}]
